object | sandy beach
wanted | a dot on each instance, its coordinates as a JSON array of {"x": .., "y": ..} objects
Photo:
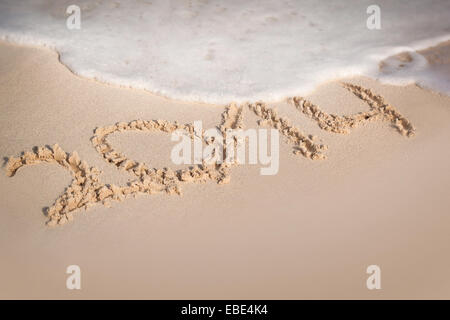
[{"x": 310, "y": 231}]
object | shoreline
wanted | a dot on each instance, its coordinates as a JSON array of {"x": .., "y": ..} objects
[
  {"x": 428, "y": 48},
  {"x": 308, "y": 232}
]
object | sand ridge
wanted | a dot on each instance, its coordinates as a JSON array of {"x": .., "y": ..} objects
[
  {"x": 86, "y": 189},
  {"x": 302, "y": 144},
  {"x": 379, "y": 110}
]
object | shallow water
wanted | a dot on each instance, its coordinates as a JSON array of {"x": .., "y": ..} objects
[{"x": 222, "y": 51}]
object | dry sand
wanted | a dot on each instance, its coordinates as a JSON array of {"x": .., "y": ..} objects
[{"x": 364, "y": 179}]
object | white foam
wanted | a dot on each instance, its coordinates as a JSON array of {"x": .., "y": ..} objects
[{"x": 222, "y": 51}]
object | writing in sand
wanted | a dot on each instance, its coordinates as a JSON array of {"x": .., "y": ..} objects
[{"x": 87, "y": 189}]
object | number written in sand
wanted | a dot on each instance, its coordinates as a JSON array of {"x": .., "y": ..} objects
[{"x": 86, "y": 188}]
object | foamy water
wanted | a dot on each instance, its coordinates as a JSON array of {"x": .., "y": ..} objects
[{"x": 222, "y": 51}]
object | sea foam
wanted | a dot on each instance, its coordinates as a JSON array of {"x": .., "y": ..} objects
[{"x": 223, "y": 51}]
